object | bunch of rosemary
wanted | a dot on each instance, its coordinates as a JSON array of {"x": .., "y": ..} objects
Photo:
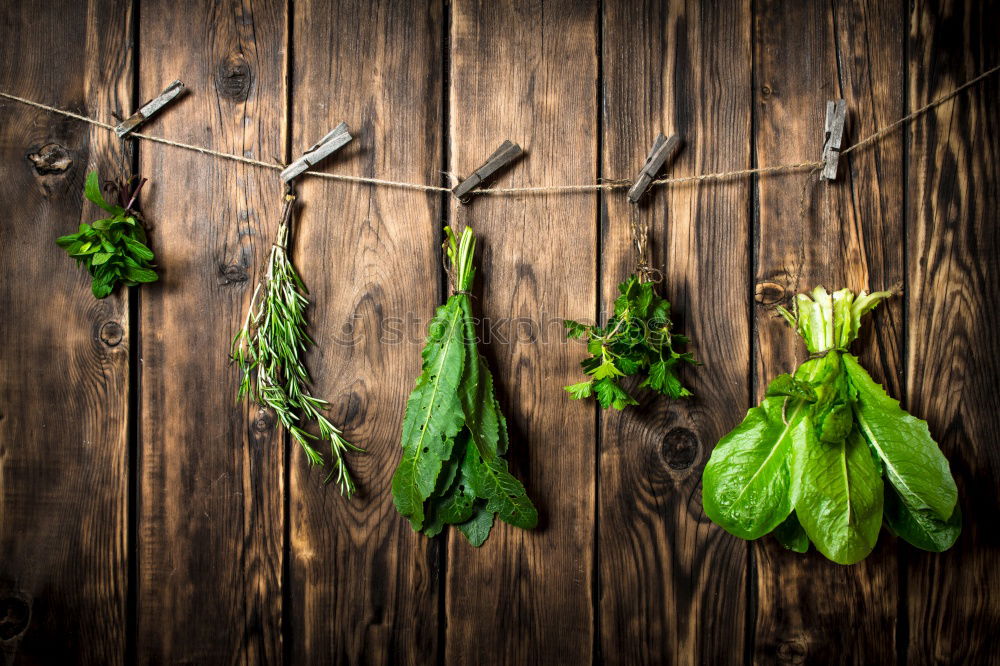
[{"x": 268, "y": 351}]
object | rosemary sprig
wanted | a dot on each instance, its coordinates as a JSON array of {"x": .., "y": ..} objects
[{"x": 267, "y": 350}]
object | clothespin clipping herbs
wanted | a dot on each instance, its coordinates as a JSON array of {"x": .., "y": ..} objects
[
  {"x": 112, "y": 249},
  {"x": 638, "y": 338},
  {"x": 269, "y": 348}
]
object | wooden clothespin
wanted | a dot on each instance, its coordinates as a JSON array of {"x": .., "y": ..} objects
[
  {"x": 833, "y": 134},
  {"x": 663, "y": 151},
  {"x": 501, "y": 157},
  {"x": 322, "y": 149},
  {"x": 147, "y": 110}
]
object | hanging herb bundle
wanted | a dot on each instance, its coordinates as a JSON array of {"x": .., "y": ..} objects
[
  {"x": 112, "y": 249},
  {"x": 454, "y": 435},
  {"x": 808, "y": 463},
  {"x": 637, "y": 340},
  {"x": 268, "y": 350}
]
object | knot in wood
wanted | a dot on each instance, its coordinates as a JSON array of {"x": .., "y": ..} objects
[
  {"x": 233, "y": 77},
  {"x": 15, "y": 614},
  {"x": 233, "y": 273},
  {"x": 112, "y": 333},
  {"x": 791, "y": 652},
  {"x": 680, "y": 448},
  {"x": 264, "y": 421},
  {"x": 50, "y": 158},
  {"x": 769, "y": 293}
]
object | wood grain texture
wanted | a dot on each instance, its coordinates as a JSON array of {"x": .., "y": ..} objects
[
  {"x": 211, "y": 471},
  {"x": 64, "y": 362},
  {"x": 841, "y": 234},
  {"x": 364, "y": 586},
  {"x": 624, "y": 567},
  {"x": 527, "y": 71},
  {"x": 671, "y": 582},
  {"x": 952, "y": 369}
]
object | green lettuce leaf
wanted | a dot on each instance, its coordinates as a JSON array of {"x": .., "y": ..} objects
[
  {"x": 921, "y": 527},
  {"x": 791, "y": 535},
  {"x": 746, "y": 483},
  {"x": 837, "y": 495},
  {"x": 912, "y": 460}
]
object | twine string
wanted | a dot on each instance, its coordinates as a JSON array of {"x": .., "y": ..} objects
[{"x": 607, "y": 185}]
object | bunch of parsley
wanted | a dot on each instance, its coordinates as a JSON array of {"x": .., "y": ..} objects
[
  {"x": 112, "y": 249},
  {"x": 637, "y": 339}
]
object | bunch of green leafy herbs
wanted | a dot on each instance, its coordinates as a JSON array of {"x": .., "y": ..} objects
[
  {"x": 269, "y": 349},
  {"x": 808, "y": 463},
  {"x": 637, "y": 339},
  {"x": 454, "y": 435},
  {"x": 112, "y": 249}
]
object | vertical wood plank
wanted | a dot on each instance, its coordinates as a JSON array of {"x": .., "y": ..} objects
[
  {"x": 64, "y": 360},
  {"x": 211, "y": 474},
  {"x": 528, "y": 71},
  {"x": 840, "y": 235},
  {"x": 952, "y": 369},
  {"x": 364, "y": 586},
  {"x": 672, "y": 583}
]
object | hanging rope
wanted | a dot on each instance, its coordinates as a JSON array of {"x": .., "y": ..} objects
[{"x": 607, "y": 185}]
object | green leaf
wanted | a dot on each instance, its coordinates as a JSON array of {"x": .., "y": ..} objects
[
  {"x": 139, "y": 274},
  {"x": 606, "y": 369},
  {"x": 747, "y": 481},
  {"x": 92, "y": 190},
  {"x": 67, "y": 241},
  {"x": 791, "y": 535},
  {"x": 581, "y": 390},
  {"x": 610, "y": 394},
  {"x": 837, "y": 494},
  {"x": 912, "y": 461},
  {"x": 787, "y": 385},
  {"x": 504, "y": 495},
  {"x": 478, "y": 401},
  {"x": 663, "y": 378},
  {"x": 101, "y": 257},
  {"x": 434, "y": 413},
  {"x": 836, "y": 423},
  {"x": 455, "y": 503},
  {"x": 477, "y": 528},
  {"x": 921, "y": 527},
  {"x": 139, "y": 251},
  {"x": 575, "y": 330},
  {"x": 101, "y": 288}
]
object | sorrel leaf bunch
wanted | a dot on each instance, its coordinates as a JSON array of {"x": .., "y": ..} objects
[
  {"x": 113, "y": 249},
  {"x": 454, "y": 435},
  {"x": 809, "y": 464},
  {"x": 637, "y": 339},
  {"x": 268, "y": 350}
]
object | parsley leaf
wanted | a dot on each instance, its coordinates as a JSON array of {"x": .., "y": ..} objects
[{"x": 636, "y": 340}]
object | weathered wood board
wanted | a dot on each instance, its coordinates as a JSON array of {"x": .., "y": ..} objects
[{"x": 147, "y": 517}]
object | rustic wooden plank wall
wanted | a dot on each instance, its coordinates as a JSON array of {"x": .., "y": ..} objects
[{"x": 147, "y": 518}]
